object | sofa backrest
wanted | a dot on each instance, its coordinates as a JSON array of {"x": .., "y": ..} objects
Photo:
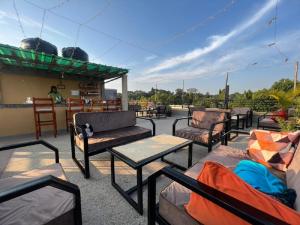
[
  {"x": 293, "y": 176},
  {"x": 204, "y": 119},
  {"x": 240, "y": 110},
  {"x": 104, "y": 121}
]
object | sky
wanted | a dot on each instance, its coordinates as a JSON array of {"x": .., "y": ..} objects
[{"x": 163, "y": 42}]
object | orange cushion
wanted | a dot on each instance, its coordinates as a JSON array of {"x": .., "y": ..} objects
[{"x": 223, "y": 179}]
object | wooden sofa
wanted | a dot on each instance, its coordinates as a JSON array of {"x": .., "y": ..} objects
[
  {"x": 40, "y": 196},
  {"x": 170, "y": 208},
  {"x": 110, "y": 129}
]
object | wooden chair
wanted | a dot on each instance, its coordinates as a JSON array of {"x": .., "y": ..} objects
[
  {"x": 44, "y": 106},
  {"x": 97, "y": 105},
  {"x": 74, "y": 105},
  {"x": 114, "y": 105}
]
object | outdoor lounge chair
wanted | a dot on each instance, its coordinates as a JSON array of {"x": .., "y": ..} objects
[
  {"x": 268, "y": 121},
  {"x": 243, "y": 116},
  {"x": 110, "y": 129},
  {"x": 40, "y": 196},
  {"x": 170, "y": 208},
  {"x": 206, "y": 128}
]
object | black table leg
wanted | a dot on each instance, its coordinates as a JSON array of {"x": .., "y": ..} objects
[
  {"x": 112, "y": 167},
  {"x": 190, "y": 159},
  {"x": 139, "y": 176}
]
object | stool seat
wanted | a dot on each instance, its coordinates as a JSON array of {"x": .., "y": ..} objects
[
  {"x": 44, "y": 106},
  {"x": 74, "y": 105}
]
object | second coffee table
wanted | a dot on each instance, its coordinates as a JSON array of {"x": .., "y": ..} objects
[{"x": 140, "y": 153}]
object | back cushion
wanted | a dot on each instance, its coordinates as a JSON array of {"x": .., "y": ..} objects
[
  {"x": 204, "y": 119},
  {"x": 104, "y": 121},
  {"x": 293, "y": 176},
  {"x": 242, "y": 110},
  {"x": 219, "y": 177}
]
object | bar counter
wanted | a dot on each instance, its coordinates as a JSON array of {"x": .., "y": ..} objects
[{"x": 18, "y": 119}]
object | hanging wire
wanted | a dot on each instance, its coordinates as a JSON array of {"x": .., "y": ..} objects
[
  {"x": 97, "y": 31},
  {"x": 198, "y": 25},
  {"x": 19, "y": 20},
  {"x": 41, "y": 31},
  {"x": 98, "y": 13},
  {"x": 58, "y": 5},
  {"x": 111, "y": 48}
]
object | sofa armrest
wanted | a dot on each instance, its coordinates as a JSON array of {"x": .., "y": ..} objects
[
  {"x": 39, "y": 183},
  {"x": 152, "y": 122},
  {"x": 233, "y": 205},
  {"x": 30, "y": 143},
  {"x": 176, "y": 121},
  {"x": 212, "y": 127}
]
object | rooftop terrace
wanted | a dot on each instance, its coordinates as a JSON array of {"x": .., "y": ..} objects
[{"x": 101, "y": 204}]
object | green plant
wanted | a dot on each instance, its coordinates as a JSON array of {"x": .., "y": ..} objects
[{"x": 287, "y": 125}]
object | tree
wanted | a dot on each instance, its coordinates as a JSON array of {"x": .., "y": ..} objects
[{"x": 283, "y": 85}]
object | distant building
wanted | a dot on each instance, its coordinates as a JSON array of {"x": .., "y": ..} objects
[
  {"x": 110, "y": 94},
  {"x": 192, "y": 90}
]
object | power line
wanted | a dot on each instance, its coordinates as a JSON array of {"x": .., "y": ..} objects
[
  {"x": 199, "y": 24},
  {"x": 19, "y": 20},
  {"x": 98, "y": 13},
  {"x": 96, "y": 30}
]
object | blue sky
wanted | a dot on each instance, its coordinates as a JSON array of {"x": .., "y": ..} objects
[{"x": 167, "y": 41}]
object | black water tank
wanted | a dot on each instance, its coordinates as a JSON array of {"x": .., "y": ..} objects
[
  {"x": 78, "y": 53},
  {"x": 39, "y": 45}
]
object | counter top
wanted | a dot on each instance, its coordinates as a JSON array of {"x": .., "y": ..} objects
[{"x": 24, "y": 105}]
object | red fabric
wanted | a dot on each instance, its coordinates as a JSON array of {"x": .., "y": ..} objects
[
  {"x": 279, "y": 114},
  {"x": 223, "y": 179}
]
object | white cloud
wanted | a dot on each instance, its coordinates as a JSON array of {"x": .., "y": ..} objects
[
  {"x": 234, "y": 60},
  {"x": 150, "y": 57},
  {"x": 26, "y": 21},
  {"x": 216, "y": 41}
]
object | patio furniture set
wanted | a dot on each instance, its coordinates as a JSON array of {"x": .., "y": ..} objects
[
  {"x": 156, "y": 112},
  {"x": 45, "y": 106},
  {"x": 117, "y": 133}
]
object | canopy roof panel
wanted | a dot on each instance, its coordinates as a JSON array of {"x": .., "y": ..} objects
[{"x": 17, "y": 57}]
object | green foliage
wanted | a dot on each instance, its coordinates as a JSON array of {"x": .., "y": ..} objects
[
  {"x": 287, "y": 125},
  {"x": 280, "y": 95},
  {"x": 283, "y": 85}
]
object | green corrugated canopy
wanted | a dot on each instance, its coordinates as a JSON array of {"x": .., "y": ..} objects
[{"x": 30, "y": 59}]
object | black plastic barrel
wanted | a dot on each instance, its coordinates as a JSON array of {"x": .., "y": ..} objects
[
  {"x": 75, "y": 53},
  {"x": 39, "y": 45}
]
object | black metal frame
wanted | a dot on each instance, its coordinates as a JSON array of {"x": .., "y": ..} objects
[
  {"x": 211, "y": 141},
  {"x": 267, "y": 127},
  {"x": 44, "y": 181},
  {"x": 233, "y": 205},
  {"x": 247, "y": 120},
  {"x": 85, "y": 166},
  {"x": 138, "y": 206},
  {"x": 30, "y": 143}
]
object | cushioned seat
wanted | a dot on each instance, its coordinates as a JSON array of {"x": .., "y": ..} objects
[
  {"x": 105, "y": 139},
  {"x": 196, "y": 134},
  {"x": 269, "y": 123},
  {"x": 173, "y": 198},
  {"x": 40, "y": 206}
]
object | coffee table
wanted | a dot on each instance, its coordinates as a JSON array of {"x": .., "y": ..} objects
[{"x": 140, "y": 153}]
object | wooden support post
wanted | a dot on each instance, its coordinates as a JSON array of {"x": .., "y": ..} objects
[{"x": 296, "y": 75}]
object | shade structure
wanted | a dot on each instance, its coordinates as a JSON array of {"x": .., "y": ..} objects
[{"x": 29, "y": 59}]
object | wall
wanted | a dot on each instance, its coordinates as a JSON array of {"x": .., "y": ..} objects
[{"x": 15, "y": 88}]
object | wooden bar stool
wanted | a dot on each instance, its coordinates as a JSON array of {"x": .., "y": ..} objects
[
  {"x": 44, "y": 106},
  {"x": 74, "y": 105},
  {"x": 97, "y": 105}
]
